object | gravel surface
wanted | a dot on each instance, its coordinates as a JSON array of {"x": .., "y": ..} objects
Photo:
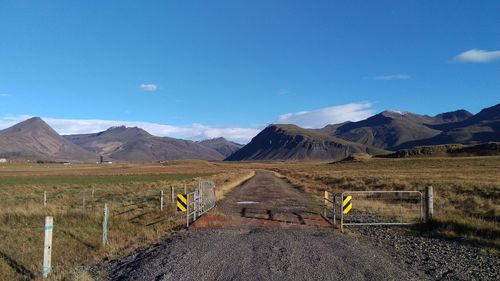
[
  {"x": 438, "y": 258},
  {"x": 260, "y": 254}
]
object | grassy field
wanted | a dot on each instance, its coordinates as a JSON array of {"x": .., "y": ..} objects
[
  {"x": 76, "y": 196},
  {"x": 466, "y": 204},
  {"x": 466, "y": 190}
]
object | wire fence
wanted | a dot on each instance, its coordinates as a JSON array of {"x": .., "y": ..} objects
[
  {"x": 356, "y": 208},
  {"x": 136, "y": 215}
]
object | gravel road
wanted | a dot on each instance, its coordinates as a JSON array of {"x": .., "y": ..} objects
[{"x": 251, "y": 243}]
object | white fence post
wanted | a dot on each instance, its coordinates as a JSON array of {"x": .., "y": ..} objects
[
  {"x": 187, "y": 210},
  {"x": 334, "y": 210},
  {"x": 47, "y": 246},
  {"x": 172, "y": 194},
  {"x": 105, "y": 225},
  {"x": 83, "y": 201},
  {"x": 45, "y": 199},
  {"x": 429, "y": 206},
  {"x": 161, "y": 200}
]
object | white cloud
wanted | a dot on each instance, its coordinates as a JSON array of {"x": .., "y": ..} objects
[
  {"x": 4, "y": 95},
  {"x": 7, "y": 121},
  {"x": 148, "y": 87},
  {"x": 330, "y": 115},
  {"x": 392, "y": 77},
  {"x": 192, "y": 132},
  {"x": 476, "y": 55}
]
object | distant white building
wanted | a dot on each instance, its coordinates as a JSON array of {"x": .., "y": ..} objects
[{"x": 3, "y": 160}]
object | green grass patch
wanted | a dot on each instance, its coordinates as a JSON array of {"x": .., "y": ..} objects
[{"x": 89, "y": 180}]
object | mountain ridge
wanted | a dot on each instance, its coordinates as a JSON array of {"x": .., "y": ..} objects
[
  {"x": 221, "y": 145},
  {"x": 133, "y": 144},
  {"x": 33, "y": 139},
  {"x": 290, "y": 142}
]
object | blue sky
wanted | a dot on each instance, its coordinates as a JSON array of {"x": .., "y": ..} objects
[{"x": 198, "y": 69}]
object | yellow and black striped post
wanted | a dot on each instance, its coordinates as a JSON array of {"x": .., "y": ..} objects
[
  {"x": 347, "y": 205},
  {"x": 181, "y": 202}
]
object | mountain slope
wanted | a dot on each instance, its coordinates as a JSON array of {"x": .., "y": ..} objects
[
  {"x": 394, "y": 130},
  {"x": 221, "y": 145},
  {"x": 452, "y": 117},
  {"x": 137, "y": 145},
  {"x": 290, "y": 142},
  {"x": 33, "y": 139},
  {"x": 387, "y": 129},
  {"x": 482, "y": 127},
  {"x": 444, "y": 150}
]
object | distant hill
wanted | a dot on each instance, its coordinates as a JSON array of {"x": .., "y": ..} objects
[
  {"x": 387, "y": 129},
  {"x": 392, "y": 129},
  {"x": 221, "y": 145},
  {"x": 290, "y": 142},
  {"x": 480, "y": 128},
  {"x": 33, "y": 139},
  {"x": 452, "y": 117},
  {"x": 136, "y": 145},
  {"x": 483, "y": 149}
]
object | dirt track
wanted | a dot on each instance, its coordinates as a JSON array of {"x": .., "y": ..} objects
[
  {"x": 263, "y": 201},
  {"x": 265, "y": 231}
]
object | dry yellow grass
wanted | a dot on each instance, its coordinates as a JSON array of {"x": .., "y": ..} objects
[
  {"x": 132, "y": 193},
  {"x": 466, "y": 202},
  {"x": 466, "y": 190}
]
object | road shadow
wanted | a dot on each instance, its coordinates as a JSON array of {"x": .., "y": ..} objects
[
  {"x": 19, "y": 268},
  {"x": 76, "y": 238},
  {"x": 269, "y": 215}
]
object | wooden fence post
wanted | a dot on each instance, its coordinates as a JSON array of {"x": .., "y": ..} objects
[
  {"x": 185, "y": 189},
  {"x": 429, "y": 203},
  {"x": 105, "y": 225},
  {"x": 47, "y": 246}
]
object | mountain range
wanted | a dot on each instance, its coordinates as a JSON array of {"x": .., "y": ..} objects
[
  {"x": 33, "y": 139},
  {"x": 380, "y": 134},
  {"x": 137, "y": 145},
  {"x": 388, "y": 130}
]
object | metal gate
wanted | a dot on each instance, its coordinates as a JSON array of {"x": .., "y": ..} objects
[
  {"x": 378, "y": 207},
  {"x": 200, "y": 201}
]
